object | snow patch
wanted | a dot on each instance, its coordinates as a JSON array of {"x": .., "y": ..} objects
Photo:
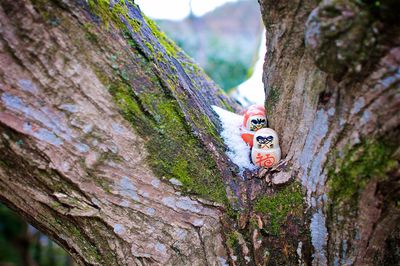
[{"x": 238, "y": 151}]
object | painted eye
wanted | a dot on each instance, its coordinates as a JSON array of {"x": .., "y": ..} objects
[
  {"x": 261, "y": 121},
  {"x": 254, "y": 122},
  {"x": 261, "y": 139}
]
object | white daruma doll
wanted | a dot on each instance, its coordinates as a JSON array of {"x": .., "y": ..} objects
[{"x": 266, "y": 151}]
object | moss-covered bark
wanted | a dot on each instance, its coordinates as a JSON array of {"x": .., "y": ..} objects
[
  {"x": 109, "y": 143},
  {"x": 331, "y": 82},
  {"x": 111, "y": 126}
]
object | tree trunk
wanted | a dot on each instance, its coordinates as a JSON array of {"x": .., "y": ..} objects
[
  {"x": 106, "y": 127},
  {"x": 109, "y": 144},
  {"x": 331, "y": 78}
]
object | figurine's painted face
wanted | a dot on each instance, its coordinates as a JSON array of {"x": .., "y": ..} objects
[
  {"x": 257, "y": 123},
  {"x": 265, "y": 142}
]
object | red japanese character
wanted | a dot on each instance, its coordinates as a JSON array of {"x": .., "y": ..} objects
[{"x": 265, "y": 161}]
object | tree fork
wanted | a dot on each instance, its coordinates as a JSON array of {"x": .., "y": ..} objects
[{"x": 110, "y": 146}]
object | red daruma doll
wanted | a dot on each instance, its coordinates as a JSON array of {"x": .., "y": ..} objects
[
  {"x": 266, "y": 151},
  {"x": 254, "y": 119}
]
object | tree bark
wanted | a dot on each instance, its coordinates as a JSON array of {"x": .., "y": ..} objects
[
  {"x": 110, "y": 146},
  {"x": 106, "y": 127},
  {"x": 331, "y": 78}
]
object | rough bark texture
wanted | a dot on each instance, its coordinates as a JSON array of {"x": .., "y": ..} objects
[
  {"x": 98, "y": 111},
  {"x": 331, "y": 77},
  {"x": 109, "y": 144}
]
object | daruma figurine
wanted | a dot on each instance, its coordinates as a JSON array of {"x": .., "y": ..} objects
[
  {"x": 254, "y": 119},
  {"x": 266, "y": 151}
]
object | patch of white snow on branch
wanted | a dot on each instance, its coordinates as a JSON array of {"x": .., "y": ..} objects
[{"x": 238, "y": 151}]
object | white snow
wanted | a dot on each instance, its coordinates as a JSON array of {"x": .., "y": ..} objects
[{"x": 238, "y": 151}]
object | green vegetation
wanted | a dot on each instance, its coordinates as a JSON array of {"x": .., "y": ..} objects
[
  {"x": 18, "y": 244},
  {"x": 226, "y": 67},
  {"x": 367, "y": 160},
  {"x": 284, "y": 202},
  {"x": 224, "y": 42}
]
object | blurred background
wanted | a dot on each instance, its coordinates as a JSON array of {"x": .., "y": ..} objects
[{"x": 225, "y": 37}]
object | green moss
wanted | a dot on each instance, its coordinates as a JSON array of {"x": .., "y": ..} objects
[
  {"x": 227, "y": 106},
  {"x": 232, "y": 240},
  {"x": 192, "y": 67},
  {"x": 369, "y": 159},
  {"x": 135, "y": 24},
  {"x": 171, "y": 48},
  {"x": 272, "y": 99},
  {"x": 150, "y": 47},
  {"x": 89, "y": 34},
  {"x": 232, "y": 213},
  {"x": 210, "y": 127},
  {"x": 90, "y": 251},
  {"x": 112, "y": 14},
  {"x": 279, "y": 206},
  {"x": 174, "y": 151}
]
